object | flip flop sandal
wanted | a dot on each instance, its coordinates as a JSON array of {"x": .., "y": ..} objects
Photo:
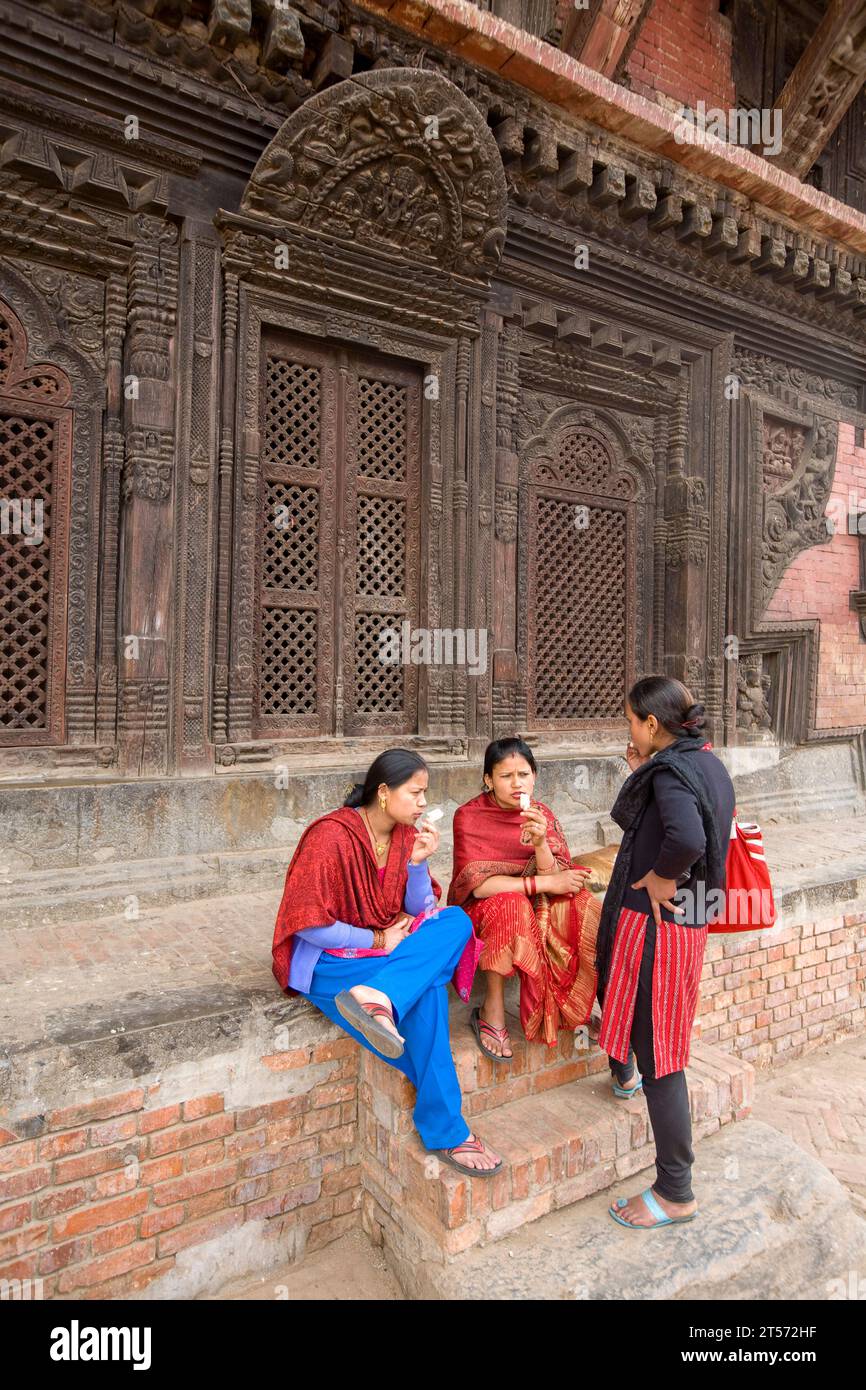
[
  {"x": 472, "y": 1145},
  {"x": 478, "y": 1026},
  {"x": 626, "y": 1091},
  {"x": 662, "y": 1218},
  {"x": 364, "y": 1018}
]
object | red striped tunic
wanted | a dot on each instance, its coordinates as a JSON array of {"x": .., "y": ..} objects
[{"x": 679, "y": 957}]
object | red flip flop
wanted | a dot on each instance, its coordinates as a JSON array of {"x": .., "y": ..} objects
[
  {"x": 478, "y": 1026},
  {"x": 471, "y": 1145},
  {"x": 364, "y": 1017}
]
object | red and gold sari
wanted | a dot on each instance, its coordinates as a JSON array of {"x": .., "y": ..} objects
[{"x": 548, "y": 939}]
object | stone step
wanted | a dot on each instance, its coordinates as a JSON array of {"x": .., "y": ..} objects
[
  {"x": 773, "y": 1223},
  {"x": 559, "y": 1144},
  {"x": 485, "y": 1084}
]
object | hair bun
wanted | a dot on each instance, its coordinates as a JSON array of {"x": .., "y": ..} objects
[
  {"x": 354, "y": 794},
  {"x": 694, "y": 720}
]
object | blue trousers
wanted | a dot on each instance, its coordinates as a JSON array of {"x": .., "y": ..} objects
[{"x": 415, "y": 978}]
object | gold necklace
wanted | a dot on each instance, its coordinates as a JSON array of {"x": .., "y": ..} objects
[{"x": 380, "y": 849}]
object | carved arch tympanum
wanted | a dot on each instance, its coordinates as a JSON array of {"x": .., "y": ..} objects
[
  {"x": 35, "y": 463},
  {"x": 395, "y": 160}
]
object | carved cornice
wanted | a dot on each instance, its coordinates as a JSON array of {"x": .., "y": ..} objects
[{"x": 767, "y": 373}]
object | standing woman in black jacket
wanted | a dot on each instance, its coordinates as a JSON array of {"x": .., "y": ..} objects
[{"x": 676, "y": 810}]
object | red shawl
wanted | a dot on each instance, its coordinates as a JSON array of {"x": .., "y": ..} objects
[
  {"x": 333, "y": 877},
  {"x": 487, "y": 842}
]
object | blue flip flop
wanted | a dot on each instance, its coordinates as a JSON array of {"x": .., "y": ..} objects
[
  {"x": 661, "y": 1217},
  {"x": 625, "y": 1091}
]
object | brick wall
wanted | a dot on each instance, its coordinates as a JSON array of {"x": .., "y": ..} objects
[
  {"x": 773, "y": 996},
  {"x": 98, "y": 1199},
  {"x": 684, "y": 52},
  {"x": 108, "y": 1196},
  {"x": 817, "y": 585}
]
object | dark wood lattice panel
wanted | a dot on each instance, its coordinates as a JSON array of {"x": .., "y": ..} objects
[
  {"x": 35, "y": 461},
  {"x": 580, "y": 611},
  {"x": 26, "y": 468},
  {"x": 382, "y": 546},
  {"x": 380, "y": 687},
  {"x": 293, "y": 563},
  {"x": 291, "y": 534},
  {"x": 382, "y": 419},
  {"x": 293, "y": 408},
  {"x": 382, "y": 515},
  {"x": 288, "y": 663}
]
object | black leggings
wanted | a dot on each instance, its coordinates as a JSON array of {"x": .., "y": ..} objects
[{"x": 667, "y": 1097}]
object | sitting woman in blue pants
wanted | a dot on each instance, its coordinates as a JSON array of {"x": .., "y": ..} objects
[{"x": 358, "y": 933}]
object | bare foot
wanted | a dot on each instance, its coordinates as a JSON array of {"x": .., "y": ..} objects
[
  {"x": 487, "y": 1158},
  {"x": 495, "y": 1018},
  {"x": 636, "y": 1212},
  {"x": 365, "y": 995}
]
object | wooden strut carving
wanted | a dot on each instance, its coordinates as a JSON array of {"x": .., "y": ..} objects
[
  {"x": 823, "y": 85},
  {"x": 797, "y": 474},
  {"x": 397, "y": 160}
]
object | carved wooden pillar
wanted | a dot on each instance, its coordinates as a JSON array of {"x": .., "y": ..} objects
[
  {"x": 224, "y": 535},
  {"x": 196, "y": 495},
  {"x": 686, "y": 550},
  {"x": 113, "y": 455},
  {"x": 147, "y": 590},
  {"x": 506, "y": 712},
  {"x": 462, "y": 563},
  {"x": 485, "y": 575}
]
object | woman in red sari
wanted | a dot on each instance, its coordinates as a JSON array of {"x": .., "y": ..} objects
[{"x": 530, "y": 909}]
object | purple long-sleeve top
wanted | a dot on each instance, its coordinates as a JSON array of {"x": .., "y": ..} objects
[{"x": 310, "y": 942}]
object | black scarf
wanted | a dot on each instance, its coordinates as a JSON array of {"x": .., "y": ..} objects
[{"x": 628, "y": 808}]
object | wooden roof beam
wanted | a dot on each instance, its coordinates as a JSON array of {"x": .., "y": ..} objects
[
  {"x": 822, "y": 86},
  {"x": 602, "y": 34}
]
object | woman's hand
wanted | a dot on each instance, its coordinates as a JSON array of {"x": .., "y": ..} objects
[
  {"x": 397, "y": 932},
  {"x": 634, "y": 758},
  {"x": 661, "y": 892},
  {"x": 567, "y": 881},
  {"x": 426, "y": 842},
  {"x": 534, "y": 828}
]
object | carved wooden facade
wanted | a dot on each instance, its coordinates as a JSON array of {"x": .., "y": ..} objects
[{"x": 340, "y": 381}]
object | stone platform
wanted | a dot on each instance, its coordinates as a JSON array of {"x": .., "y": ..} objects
[{"x": 168, "y": 1118}]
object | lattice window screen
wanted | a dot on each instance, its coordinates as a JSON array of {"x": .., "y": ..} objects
[
  {"x": 26, "y": 468},
  {"x": 337, "y": 538},
  {"x": 35, "y": 455},
  {"x": 580, "y": 642},
  {"x": 290, "y": 527},
  {"x": 382, "y": 525}
]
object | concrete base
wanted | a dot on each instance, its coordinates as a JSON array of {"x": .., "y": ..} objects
[{"x": 774, "y": 1224}]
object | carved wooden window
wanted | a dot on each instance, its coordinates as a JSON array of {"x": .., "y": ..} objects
[
  {"x": 339, "y": 539},
  {"x": 35, "y": 461},
  {"x": 580, "y": 518}
]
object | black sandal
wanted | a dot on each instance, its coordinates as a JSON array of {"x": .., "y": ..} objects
[
  {"x": 478, "y": 1025},
  {"x": 364, "y": 1018}
]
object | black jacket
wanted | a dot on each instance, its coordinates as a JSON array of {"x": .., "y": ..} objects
[{"x": 670, "y": 837}]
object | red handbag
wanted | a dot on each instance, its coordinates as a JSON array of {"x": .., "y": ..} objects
[{"x": 749, "y": 903}]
